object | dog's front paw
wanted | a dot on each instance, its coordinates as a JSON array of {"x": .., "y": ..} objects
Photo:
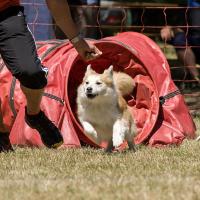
[{"x": 89, "y": 129}]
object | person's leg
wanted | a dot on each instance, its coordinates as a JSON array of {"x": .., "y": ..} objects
[
  {"x": 33, "y": 98},
  {"x": 185, "y": 54},
  {"x": 187, "y": 57},
  {"x": 4, "y": 135},
  {"x": 3, "y": 128},
  {"x": 92, "y": 19},
  {"x": 18, "y": 50},
  {"x": 195, "y": 43}
]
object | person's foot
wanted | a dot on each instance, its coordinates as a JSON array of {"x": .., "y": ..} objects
[
  {"x": 5, "y": 145},
  {"x": 50, "y": 134}
]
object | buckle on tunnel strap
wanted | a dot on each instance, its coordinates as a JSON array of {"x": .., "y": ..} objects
[{"x": 168, "y": 96}]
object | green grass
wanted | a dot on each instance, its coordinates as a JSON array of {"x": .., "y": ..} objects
[{"x": 86, "y": 173}]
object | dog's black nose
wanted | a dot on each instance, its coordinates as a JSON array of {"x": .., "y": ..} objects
[{"x": 89, "y": 89}]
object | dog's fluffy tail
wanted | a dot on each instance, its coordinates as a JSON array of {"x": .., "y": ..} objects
[{"x": 124, "y": 83}]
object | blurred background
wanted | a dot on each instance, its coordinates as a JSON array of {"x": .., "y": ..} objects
[
  {"x": 109, "y": 16},
  {"x": 173, "y": 24}
]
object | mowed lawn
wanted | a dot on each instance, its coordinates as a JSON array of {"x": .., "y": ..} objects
[{"x": 42, "y": 174}]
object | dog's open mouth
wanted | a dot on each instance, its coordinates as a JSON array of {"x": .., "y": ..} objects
[{"x": 91, "y": 96}]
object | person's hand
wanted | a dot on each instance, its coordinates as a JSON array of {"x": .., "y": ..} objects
[
  {"x": 167, "y": 33},
  {"x": 87, "y": 51}
]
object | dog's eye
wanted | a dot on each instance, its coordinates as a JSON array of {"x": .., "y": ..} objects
[
  {"x": 87, "y": 82},
  {"x": 98, "y": 83}
]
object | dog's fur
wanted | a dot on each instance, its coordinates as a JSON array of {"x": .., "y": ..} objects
[{"x": 102, "y": 110}]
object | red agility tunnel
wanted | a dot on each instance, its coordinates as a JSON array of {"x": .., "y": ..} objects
[{"x": 158, "y": 108}]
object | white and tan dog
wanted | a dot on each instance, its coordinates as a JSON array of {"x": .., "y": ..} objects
[{"x": 102, "y": 110}]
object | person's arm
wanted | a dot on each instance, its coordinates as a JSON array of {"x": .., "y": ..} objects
[
  {"x": 167, "y": 32},
  {"x": 62, "y": 16}
]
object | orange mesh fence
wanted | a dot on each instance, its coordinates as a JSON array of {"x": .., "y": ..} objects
[{"x": 149, "y": 19}]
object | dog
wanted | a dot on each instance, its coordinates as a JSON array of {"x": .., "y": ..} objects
[{"x": 102, "y": 109}]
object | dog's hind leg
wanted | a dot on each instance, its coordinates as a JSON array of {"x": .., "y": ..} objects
[
  {"x": 109, "y": 147},
  {"x": 119, "y": 130},
  {"x": 130, "y": 139},
  {"x": 131, "y": 145}
]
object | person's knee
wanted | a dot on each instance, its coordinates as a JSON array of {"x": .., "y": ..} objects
[{"x": 33, "y": 79}]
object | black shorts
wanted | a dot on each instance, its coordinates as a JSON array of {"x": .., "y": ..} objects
[{"x": 18, "y": 50}]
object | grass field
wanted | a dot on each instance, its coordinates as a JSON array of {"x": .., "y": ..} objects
[{"x": 149, "y": 174}]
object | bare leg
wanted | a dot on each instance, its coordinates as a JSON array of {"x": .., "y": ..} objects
[
  {"x": 3, "y": 129},
  {"x": 36, "y": 119},
  {"x": 2, "y": 126},
  {"x": 189, "y": 60},
  {"x": 92, "y": 17},
  {"x": 33, "y": 97},
  {"x": 5, "y": 144},
  {"x": 33, "y": 107}
]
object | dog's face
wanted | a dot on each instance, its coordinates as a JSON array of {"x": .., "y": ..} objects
[{"x": 95, "y": 84}]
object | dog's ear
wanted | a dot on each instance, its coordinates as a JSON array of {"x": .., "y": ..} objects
[
  {"x": 89, "y": 70},
  {"x": 109, "y": 71}
]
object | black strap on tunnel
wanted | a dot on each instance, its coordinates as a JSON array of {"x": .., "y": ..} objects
[
  {"x": 51, "y": 96},
  {"x": 11, "y": 97},
  {"x": 55, "y": 46},
  {"x": 13, "y": 84},
  {"x": 162, "y": 99}
]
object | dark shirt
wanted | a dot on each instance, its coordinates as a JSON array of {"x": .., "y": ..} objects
[{"x": 74, "y": 2}]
